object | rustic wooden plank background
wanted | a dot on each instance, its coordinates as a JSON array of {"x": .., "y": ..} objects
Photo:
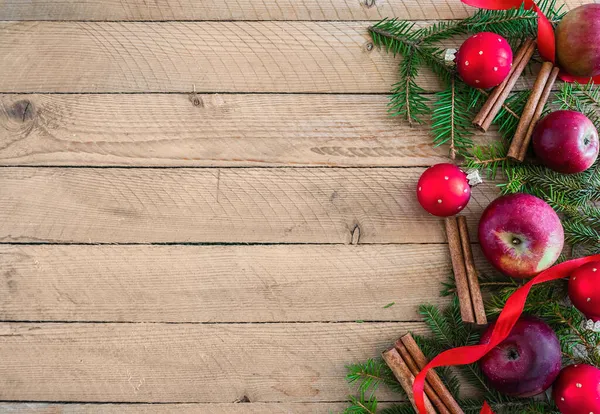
[{"x": 204, "y": 207}]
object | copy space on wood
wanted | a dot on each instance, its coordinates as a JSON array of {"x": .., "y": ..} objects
[
  {"x": 281, "y": 205},
  {"x": 256, "y": 57},
  {"x": 259, "y": 283},
  {"x": 165, "y": 10},
  {"x": 209, "y": 130},
  {"x": 161, "y": 363}
]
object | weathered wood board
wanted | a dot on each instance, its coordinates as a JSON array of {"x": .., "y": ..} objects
[
  {"x": 204, "y": 203},
  {"x": 186, "y": 362},
  {"x": 230, "y": 205},
  {"x": 221, "y": 283}
]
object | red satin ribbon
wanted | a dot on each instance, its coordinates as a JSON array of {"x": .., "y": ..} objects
[
  {"x": 546, "y": 42},
  {"x": 506, "y": 321}
]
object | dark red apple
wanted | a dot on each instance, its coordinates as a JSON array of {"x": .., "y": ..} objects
[
  {"x": 527, "y": 362},
  {"x": 578, "y": 41},
  {"x": 566, "y": 141},
  {"x": 520, "y": 235}
]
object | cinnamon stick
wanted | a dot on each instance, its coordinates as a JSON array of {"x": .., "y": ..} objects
[
  {"x": 412, "y": 365},
  {"x": 472, "y": 278},
  {"x": 493, "y": 97},
  {"x": 538, "y": 111},
  {"x": 516, "y": 145},
  {"x": 508, "y": 86},
  {"x": 432, "y": 377},
  {"x": 406, "y": 379},
  {"x": 460, "y": 272}
]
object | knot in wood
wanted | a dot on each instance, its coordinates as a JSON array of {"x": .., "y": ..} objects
[{"x": 21, "y": 111}]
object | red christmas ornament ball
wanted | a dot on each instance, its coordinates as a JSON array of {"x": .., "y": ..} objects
[
  {"x": 584, "y": 292},
  {"x": 577, "y": 390},
  {"x": 443, "y": 190},
  {"x": 484, "y": 60}
]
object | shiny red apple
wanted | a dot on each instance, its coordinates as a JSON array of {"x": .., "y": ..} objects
[
  {"x": 578, "y": 41},
  {"x": 566, "y": 141},
  {"x": 520, "y": 235},
  {"x": 527, "y": 362}
]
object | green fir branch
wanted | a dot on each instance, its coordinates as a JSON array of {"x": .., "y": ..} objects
[
  {"x": 489, "y": 158},
  {"x": 405, "y": 408},
  {"x": 511, "y": 24},
  {"x": 362, "y": 405},
  {"x": 440, "y": 31},
  {"x": 368, "y": 376},
  {"x": 408, "y": 100},
  {"x": 581, "y": 98},
  {"x": 509, "y": 116},
  {"x": 576, "y": 189},
  {"x": 393, "y": 35},
  {"x": 574, "y": 196},
  {"x": 433, "y": 58},
  {"x": 451, "y": 119}
]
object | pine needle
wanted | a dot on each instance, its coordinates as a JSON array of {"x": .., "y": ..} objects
[{"x": 451, "y": 119}]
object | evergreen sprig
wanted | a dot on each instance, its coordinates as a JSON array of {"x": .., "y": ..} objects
[
  {"x": 408, "y": 99},
  {"x": 448, "y": 331},
  {"x": 581, "y": 98},
  {"x": 574, "y": 189},
  {"x": 489, "y": 158},
  {"x": 512, "y": 24},
  {"x": 368, "y": 376},
  {"x": 417, "y": 47},
  {"x": 574, "y": 196},
  {"x": 451, "y": 119}
]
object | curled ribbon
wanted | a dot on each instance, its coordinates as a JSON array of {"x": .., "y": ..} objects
[
  {"x": 546, "y": 42},
  {"x": 506, "y": 321}
]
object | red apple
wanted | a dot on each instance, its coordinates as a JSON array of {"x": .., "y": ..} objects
[
  {"x": 526, "y": 362},
  {"x": 520, "y": 235},
  {"x": 578, "y": 41},
  {"x": 566, "y": 141}
]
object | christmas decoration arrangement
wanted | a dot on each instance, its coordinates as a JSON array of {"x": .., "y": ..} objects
[{"x": 526, "y": 338}]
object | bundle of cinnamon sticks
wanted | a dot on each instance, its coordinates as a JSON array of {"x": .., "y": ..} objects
[
  {"x": 405, "y": 360},
  {"x": 535, "y": 104},
  {"x": 533, "y": 110},
  {"x": 496, "y": 99},
  {"x": 465, "y": 274}
]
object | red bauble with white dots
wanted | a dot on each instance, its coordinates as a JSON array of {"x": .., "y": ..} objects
[
  {"x": 584, "y": 292},
  {"x": 577, "y": 390},
  {"x": 484, "y": 60},
  {"x": 443, "y": 190}
]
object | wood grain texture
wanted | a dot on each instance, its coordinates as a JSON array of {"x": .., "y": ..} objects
[
  {"x": 185, "y": 408},
  {"x": 237, "y": 9},
  {"x": 296, "y": 57},
  {"x": 187, "y": 363},
  {"x": 221, "y": 283},
  {"x": 315, "y": 57},
  {"x": 210, "y": 130},
  {"x": 231, "y": 10},
  {"x": 282, "y": 205},
  {"x": 174, "y": 56}
]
